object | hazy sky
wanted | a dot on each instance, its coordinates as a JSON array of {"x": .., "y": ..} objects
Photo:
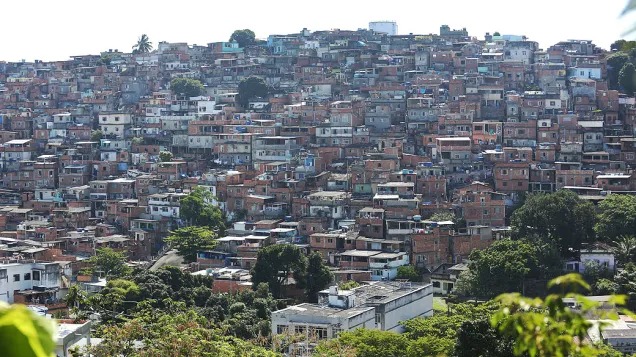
[{"x": 55, "y": 30}]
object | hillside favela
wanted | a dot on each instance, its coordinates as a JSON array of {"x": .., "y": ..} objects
[{"x": 354, "y": 193}]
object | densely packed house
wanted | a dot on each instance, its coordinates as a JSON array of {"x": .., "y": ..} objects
[{"x": 362, "y": 149}]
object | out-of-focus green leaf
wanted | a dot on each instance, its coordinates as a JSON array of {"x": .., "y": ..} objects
[{"x": 24, "y": 334}]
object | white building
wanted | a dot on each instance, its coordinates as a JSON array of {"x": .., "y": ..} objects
[
  {"x": 602, "y": 257},
  {"x": 164, "y": 205},
  {"x": 377, "y": 305},
  {"x": 30, "y": 283},
  {"x": 388, "y": 27},
  {"x": 114, "y": 123}
]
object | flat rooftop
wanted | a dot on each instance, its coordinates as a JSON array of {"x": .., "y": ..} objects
[{"x": 326, "y": 311}]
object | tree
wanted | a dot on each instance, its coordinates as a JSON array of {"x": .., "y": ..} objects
[
  {"x": 249, "y": 88},
  {"x": 366, "y": 343},
  {"x": 496, "y": 33},
  {"x": 318, "y": 276},
  {"x": 503, "y": 267},
  {"x": 616, "y": 217},
  {"x": 626, "y": 78},
  {"x": 409, "y": 273},
  {"x": 276, "y": 263},
  {"x": 477, "y": 338},
  {"x": 182, "y": 333},
  {"x": 624, "y": 249},
  {"x": 143, "y": 45},
  {"x": 626, "y": 280},
  {"x": 190, "y": 240},
  {"x": 594, "y": 273},
  {"x": 187, "y": 87},
  {"x": 561, "y": 219},
  {"x": 442, "y": 216},
  {"x": 110, "y": 262},
  {"x": 437, "y": 335},
  {"x": 197, "y": 208},
  {"x": 75, "y": 297},
  {"x": 165, "y": 156},
  {"x": 548, "y": 327},
  {"x": 96, "y": 135},
  {"x": 615, "y": 62},
  {"x": 114, "y": 299},
  {"x": 244, "y": 37},
  {"x": 348, "y": 285},
  {"x": 104, "y": 60}
]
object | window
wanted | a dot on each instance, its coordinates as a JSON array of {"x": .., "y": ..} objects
[
  {"x": 319, "y": 333},
  {"x": 36, "y": 275},
  {"x": 329, "y": 240},
  {"x": 16, "y": 277},
  {"x": 378, "y": 319},
  {"x": 485, "y": 212},
  {"x": 317, "y": 239},
  {"x": 436, "y": 284},
  {"x": 27, "y": 276},
  {"x": 336, "y": 332},
  {"x": 281, "y": 329}
]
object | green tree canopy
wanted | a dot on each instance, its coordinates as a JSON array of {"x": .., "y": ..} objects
[
  {"x": 477, "y": 338},
  {"x": 187, "y": 86},
  {"x": 97, "y": 135},
  {"x": 504, "y": 266},
  {"x": 626, "y": 78},
  {"x": 249, "y": 88},
  {"x": 615, "y": 62},
  {"x": 548, "y": 327},
  {"x": 276, "y": 263},
  {"x": 622, "y": 45},
  {"x": 625, "y": 280},
  {"x": 437, "y": 335},
  {"x": 143, "y": 45},
  {"x": 184, "y": 332},
  {"x": 616, "y": 217},
  {"x": 409, "y": 273},
  {"x": 442, "y": 216},
  {"x": 561, "y": 219},
  {"x": 365, "y": 343},
  {"x": 190, "y": 240},
  {"x": 318, "y": 276},
  {"x": 624, "y": 249},
  {"x": 198, "y": 209},
  {"x": 165, "y": 156},
  {"x": 109, "y": 262},
  {"x": 244, "y": 37}
]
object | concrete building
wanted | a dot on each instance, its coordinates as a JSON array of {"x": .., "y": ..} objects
[
  {"x": 30, "y": 283},
  {"x": 377, "y": 305},
  {"x": 388, "y": 27}
]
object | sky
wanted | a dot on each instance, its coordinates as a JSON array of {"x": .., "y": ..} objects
[{"x": 54, "y": 30}]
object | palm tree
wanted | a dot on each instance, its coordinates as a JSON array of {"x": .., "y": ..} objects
[
  {"x": 75, "y": 297},
  {"x": 624, "y": 249},
  {"x": 143, "y": 45}
]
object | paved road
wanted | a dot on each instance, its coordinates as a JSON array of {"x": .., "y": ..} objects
[{"x": 171, "y": 258}]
